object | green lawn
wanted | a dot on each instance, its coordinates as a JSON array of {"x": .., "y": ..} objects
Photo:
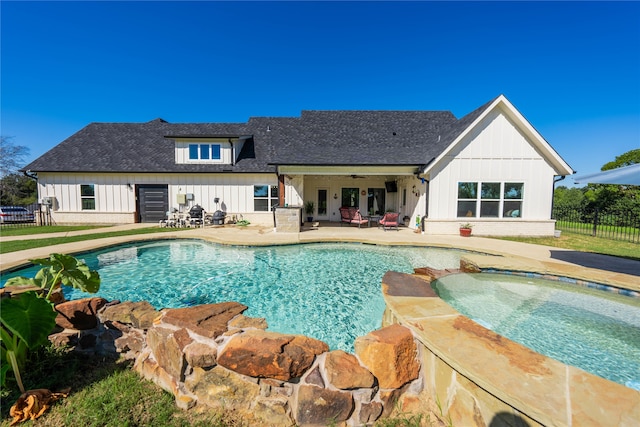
[
  {"x": 20, "y": 230},
  {"x": 584, "y": 243},
  {"x": 20, "y": 245},
  {"x": 104, "y": 392}
]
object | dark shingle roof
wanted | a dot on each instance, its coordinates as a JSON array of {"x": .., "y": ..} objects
[{"x": 314, "y": 138}]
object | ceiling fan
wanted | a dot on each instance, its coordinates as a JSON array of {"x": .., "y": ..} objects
[{"x": 357, "y": 176}]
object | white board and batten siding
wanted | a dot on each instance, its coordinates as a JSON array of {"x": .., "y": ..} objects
[
  {"x": 495, "y": 151},
  {"x": 115, "y": 194}
]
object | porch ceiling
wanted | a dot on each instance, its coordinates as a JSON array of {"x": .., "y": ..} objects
[{"x": 347, "y": 170}]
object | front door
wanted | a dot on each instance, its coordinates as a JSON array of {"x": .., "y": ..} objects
[{"x": 152, "y": 202}]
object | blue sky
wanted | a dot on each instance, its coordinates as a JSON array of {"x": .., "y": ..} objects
[{"x": 571, "y": 68}]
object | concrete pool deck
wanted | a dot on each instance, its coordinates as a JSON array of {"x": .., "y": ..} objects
[{"x": 500, "y": 254}]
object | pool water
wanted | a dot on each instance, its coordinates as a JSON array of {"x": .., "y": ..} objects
[
  {"x": 331, "y": 292},
  {"x": 594, "y": 330}
]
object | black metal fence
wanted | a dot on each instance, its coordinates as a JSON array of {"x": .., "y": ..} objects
[
  {"x": 609, "y": 225},
  {"x": 38, "y": 216}
]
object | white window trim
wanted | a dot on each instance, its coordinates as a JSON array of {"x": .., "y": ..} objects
[
  {"x": 82, "y": 198},
  {"x": 210, "y": 150},
  {"x": 270, "y": 200},
  {"x": 478, "y": 200}
]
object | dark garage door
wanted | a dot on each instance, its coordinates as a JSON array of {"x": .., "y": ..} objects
[{"x": 153, "y": 202}]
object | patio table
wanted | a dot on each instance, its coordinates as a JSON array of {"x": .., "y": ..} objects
[{"x": 373, "y": 218}]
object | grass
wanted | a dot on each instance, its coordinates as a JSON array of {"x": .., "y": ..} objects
[
  {"x": 584, "y": 243},
  {"x": 11, "y": 230},
  {"x": 20, "y": 245},
  {"x": 105, "y": 392}
]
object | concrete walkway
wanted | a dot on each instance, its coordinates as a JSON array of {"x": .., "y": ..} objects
[{"x": 485, "y": 252}]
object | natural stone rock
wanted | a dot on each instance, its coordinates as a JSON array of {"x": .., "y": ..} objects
[
  {"x": 139, "y": 314},
  {"x": 468, "y": 266},
  {"x": 87, "y": 341},
  {"x": 370, "y": 412},
  {"x": 274, "y": 410},
  {"x": 244, "y": 322},
  {"x": 390, "y": 354},
  {"x": 389, "y": 399},
  {"x": 208, "y": 320},
  {"x": 130, "y": 343},
  {"x": 344, "y": 372},
  {"x": 166, "y": 351},
  {"x": 314, "y": 377},
  {"x": 219, "y": 387},
  {"x": 65, "y": 338},
  {"x": 200, "y": 355},
  {"x": 56, "y": 296},
  {"x": 271, "y": 387},
  {"x": 263, "y": 354},
  {"x": 182, "y": 338},
  {"x": 79, "y": 314},
  {"x": 321, "y": 406},
  {"x": 150, "y": 370}
]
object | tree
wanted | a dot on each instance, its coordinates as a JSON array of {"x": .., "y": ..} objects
[
  {"x": 15, "y": 188},
  {"x": 607, "y": 198},
  {"x": 623, "y": 199},
  {"x": 627, "y": 159},
  {"x": 569, "y": 198},
  {"x": 11, "y": 156}
]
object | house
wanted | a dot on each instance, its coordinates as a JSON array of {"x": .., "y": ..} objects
[{"x": 490, "y": 168}]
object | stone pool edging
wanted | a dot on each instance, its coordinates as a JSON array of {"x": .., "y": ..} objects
[
  {"x": 213, "y": 355},
  {"x": 571, "y": 281},
  {"x": 480, "y": 377}
]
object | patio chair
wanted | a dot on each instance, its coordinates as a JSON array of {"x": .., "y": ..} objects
[
  {"x": 389, "y": 221},
  {"x": 352, "y": 216}
]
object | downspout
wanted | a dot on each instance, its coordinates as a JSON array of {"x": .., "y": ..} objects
[
  {"x": 33, "y": 176},
  {"x": 553, "y": 192}
]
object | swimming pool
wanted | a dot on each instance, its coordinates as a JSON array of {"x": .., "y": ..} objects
[
  {"x": 328, "y": 291},
  {"x": 594, "y": 330}
]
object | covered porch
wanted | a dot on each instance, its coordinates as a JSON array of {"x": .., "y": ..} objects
[{"x": 373, "y": 190}]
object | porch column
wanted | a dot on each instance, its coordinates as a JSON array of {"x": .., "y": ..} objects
[{"x": 280, "y": 190}]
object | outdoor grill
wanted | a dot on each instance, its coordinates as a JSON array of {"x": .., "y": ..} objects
[
  {"x": 196, "y": 212},
  {"x": 218, "y": 217}
]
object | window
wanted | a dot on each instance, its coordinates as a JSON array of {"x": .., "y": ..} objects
[
  {"x": 495, "y": 199},
  {"x": 88, "y": 197},
  {"x": 265, "y": 197},
  {"x": 512, "y": 199},
  {"x": 350, "y": 197},
  {"x": 467, "y": 199},
  {"x": 490, "y": 200},
  {"x": 204, "y": 151}
]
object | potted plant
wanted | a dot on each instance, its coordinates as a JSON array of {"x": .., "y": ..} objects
[
  {"x": 308, "y": 209},
  {"x": 465, "y": 229}
]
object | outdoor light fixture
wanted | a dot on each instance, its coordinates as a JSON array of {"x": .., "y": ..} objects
[{"x": 335, "y": 196}]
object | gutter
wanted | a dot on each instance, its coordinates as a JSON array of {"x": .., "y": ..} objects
[
  {"x": 30, "y": 174},
  {"x": 553, "y": 191}
]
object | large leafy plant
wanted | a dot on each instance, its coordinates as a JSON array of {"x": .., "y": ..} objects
[{"x": 28, "y": 319}]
